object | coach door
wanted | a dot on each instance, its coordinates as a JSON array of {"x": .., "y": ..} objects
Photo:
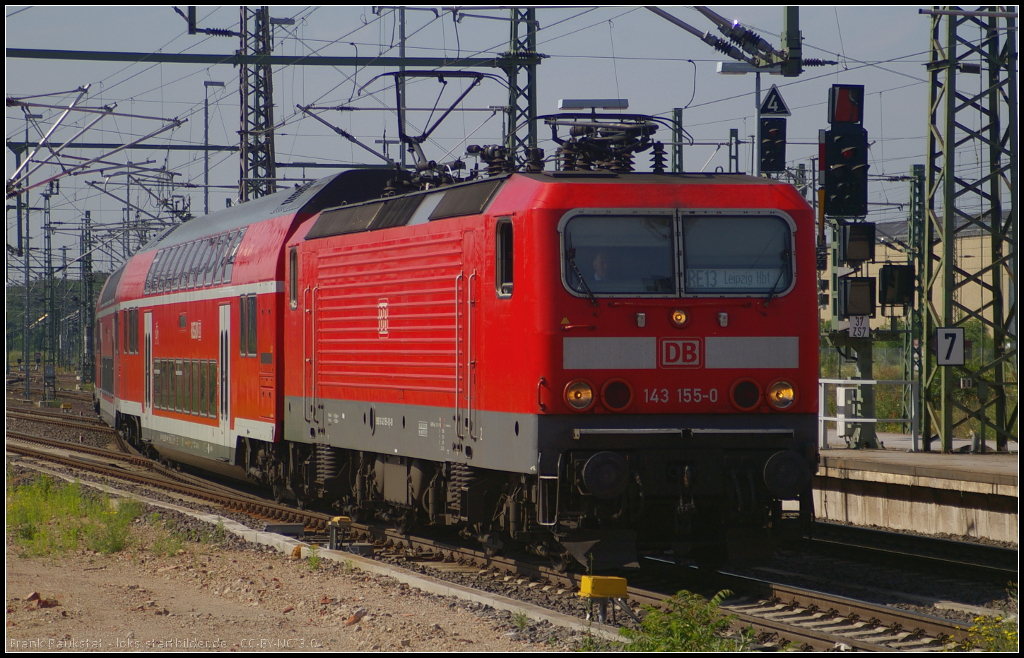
[
  {"x": 310, "y": 296},
  {"x": 147, "y": 406},
  {"x": 465, "y": 362},
  {"x": 225, "y": 372}
]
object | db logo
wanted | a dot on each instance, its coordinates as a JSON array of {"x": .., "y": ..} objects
[
  {"x": 680, "y": 353},
  {"x": 382, "y": 318}
]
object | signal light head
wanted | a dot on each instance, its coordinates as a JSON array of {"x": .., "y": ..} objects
[
  {"x": 579, "y": 395},
  {"x": 781, "y": 394}
]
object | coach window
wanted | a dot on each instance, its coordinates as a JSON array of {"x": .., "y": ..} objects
[
  {"x": 195, "y": 387},
  {"x": 217, "y": 243},
  {"x": 203, "y": 267},
  {"x": 218, "y": 258},
  {"x": 181, "y": 272},
  {"x": 503, "y": 258},
  {"x": 163, "y": 383},
  {"x": 171, "y": 273},
  {"x": 204, "y": 369},
  {"x": 253, "y": 316},
  {"x": 756, "y": 259},
  {"x": 177, "y": 276},
  {"x": 179, "y": 385},
  {"x": 243, "y": 325},
  {"x": 186, "y": 401},
  {"x": 160, "y": 279},
  {"x": 293, "y": 278},
  {"x": 190, "y": 265},
  {"x": 211, "y": 390},
  {"x": 188, "y": 274},
  {"x": 203, "y": 274},
  {"x": 229, "y": 260},
  {"x": 247, "y": 318}
]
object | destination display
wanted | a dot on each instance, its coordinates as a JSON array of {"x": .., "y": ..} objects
[{"x": 730, "y": 279}]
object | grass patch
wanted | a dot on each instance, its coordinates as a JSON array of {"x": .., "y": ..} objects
[
  {"x": 49, "y": 518},
  {"x": 216, "y": 535},
  {"x": 314, "y": 559},
  {"x": 688, "y": 623},
  {"x": 520, "y": 620}
]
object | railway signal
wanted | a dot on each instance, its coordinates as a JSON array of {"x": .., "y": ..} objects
[
  {"x": 856, "y": 243},
  {"x": 773, "y": 144},
  {"x": 846, "y": 153},
  {"x": 896, "y": 285},
  {"x": 846, "y": 171}
]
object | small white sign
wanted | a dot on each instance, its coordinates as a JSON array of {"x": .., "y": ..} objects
[
  {"x": 950, "y": 346},
  {"x": 859, "y": 327}
]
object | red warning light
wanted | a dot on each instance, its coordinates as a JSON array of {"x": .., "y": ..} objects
[{"x": 846, "y": 104}]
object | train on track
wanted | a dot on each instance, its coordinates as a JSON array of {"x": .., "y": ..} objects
[{"x": 573, "y": 361}]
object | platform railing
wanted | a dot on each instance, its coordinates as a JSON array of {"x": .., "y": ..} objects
[{"x": 914, "y": 419}]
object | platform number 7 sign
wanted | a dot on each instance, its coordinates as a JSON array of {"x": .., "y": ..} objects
[{"x": 950, "y": 346}]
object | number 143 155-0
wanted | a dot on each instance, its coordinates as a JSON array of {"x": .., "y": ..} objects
[{"x": 681, "y": 395}]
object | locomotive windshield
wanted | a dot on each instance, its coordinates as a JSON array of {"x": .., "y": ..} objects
[
  {"x": 637, "y": 254},
  {"x": 620, "y": 255}
]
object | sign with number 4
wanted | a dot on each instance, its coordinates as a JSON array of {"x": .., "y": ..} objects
[{"x": 950, "y": 346}]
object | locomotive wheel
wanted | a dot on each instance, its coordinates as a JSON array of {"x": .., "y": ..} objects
[
  {"x": 404, "y": 525},
  {"x": 355, "y": 513},
  {"x": 278, "y": 492},
  {"x": 561, "y": 562}
]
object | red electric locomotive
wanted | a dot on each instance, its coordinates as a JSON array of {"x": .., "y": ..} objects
[{"x": 568, "y": 361}]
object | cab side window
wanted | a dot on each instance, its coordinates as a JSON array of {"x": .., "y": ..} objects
[{"x": 503, "y": 258}]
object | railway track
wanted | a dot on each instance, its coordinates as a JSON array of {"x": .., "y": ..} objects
[
  {"x": 79, "y": 422},
  {"x": 820, "y": 620},
  {"x": 61, "y": 415},
  {"x": 995, "y": 564},
  {"x": 780, "y": 614}
]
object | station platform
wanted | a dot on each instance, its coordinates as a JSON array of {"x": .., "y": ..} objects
[{"x": 957, "y": 494}]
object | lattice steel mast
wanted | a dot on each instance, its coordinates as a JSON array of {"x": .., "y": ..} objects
[
  {"x": 257, "y": 170},
  {"x": 520, "y": 65},
  {"x": 959, "y": 203}
]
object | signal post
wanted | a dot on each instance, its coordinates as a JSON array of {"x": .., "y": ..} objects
[{"x": 844, "y": 166}]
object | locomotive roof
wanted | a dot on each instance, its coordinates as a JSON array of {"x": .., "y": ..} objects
[
  {"x": 359, "y": 186},
  {"x": 351, "y": 186},
  {"x": 605, "y": 178}
]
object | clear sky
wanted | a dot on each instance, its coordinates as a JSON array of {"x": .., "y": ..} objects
[{"x": 620, "y": 52}]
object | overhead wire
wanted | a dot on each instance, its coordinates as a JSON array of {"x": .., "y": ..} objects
[{"x": 459, "y": 56}]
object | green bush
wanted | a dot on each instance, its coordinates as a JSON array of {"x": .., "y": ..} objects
[
  {"x": 997, "y": 633},
  {"x": 688, "y": 623}
]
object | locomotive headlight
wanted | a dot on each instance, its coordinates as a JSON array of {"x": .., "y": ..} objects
[
  {"x": 617, "y": 394},
  {"x": 781, "y": 394},
  {"x": 579, "y": 395},
  {"x": 680, "y": 317},
  {"x": 745, "y": 394}
]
